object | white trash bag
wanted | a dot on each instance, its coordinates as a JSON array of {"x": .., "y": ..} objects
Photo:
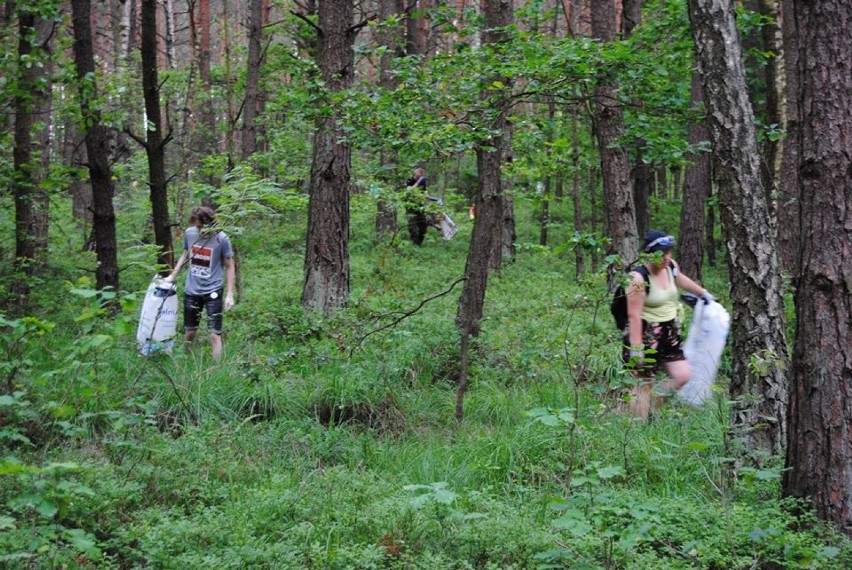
[
  {"x": 449, "y": 229},
  {"x": 158, "y": 318},
  {"x": 703, "y": 350}
]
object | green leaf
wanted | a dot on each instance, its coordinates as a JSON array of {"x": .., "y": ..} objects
[{"x": 610, "y": 472}]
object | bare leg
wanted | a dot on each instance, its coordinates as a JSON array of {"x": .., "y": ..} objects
[
  {"x": 679, "y": 373},
  {"x": 640, "y": 401},
  {"x": 188, "y": 339},
  {"x": 216, "y": 345}
]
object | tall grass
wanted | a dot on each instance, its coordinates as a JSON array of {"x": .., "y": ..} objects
[{"x": 331, "y": 443}]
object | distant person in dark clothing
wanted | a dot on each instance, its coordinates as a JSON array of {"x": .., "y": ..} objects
[{"x": 415, "y": 209}]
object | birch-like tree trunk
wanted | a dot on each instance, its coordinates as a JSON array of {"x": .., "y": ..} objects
[{"x": 759, "y": 347}]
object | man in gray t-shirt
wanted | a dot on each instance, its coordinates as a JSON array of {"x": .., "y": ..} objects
[{"x": 209, "y": 254}]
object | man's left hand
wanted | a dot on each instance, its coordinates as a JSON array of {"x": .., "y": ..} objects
[{"x": 229, "y": 301}]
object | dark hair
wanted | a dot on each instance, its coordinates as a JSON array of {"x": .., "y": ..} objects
[{"x": 203, "y": 215}]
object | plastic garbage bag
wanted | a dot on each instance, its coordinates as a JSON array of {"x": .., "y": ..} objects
[
  {"x": 158, "y": 318},
  {"x": 703, "y": 350}
]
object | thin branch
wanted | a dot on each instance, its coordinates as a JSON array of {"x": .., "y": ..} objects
[
  {"x": 308, "y": 21},
  {"x": 142, "y": 142},
  {"x": 405, "y": 315},
  {"x": 356, "y": 27}
]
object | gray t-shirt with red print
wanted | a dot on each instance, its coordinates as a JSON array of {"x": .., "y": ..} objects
[{"x": 207, "y": 254}]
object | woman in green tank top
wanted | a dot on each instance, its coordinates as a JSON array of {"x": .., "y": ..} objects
[{"x": 652, "y": 339}]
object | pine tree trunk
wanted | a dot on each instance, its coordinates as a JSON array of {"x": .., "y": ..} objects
[
  {"x": 97, "y": 149},
  {"x": 696, "y": 191},
  {"x": 819, "y": 453},
  {"x": 31, "y": 154},
  {"x": 620, "y": 211},
  {"x": 759, "y": 348},
  {"x": 252, "y": 97},
  {"x": 489, "y": 204},
  {"x": 327, "y": 250},
  {"x": 154, "y": 141}
]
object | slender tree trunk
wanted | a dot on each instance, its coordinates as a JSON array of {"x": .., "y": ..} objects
[
  {"x": 631, "y": 16},
  {"x": 620, "y": 211},
  {"x": 31, "y": 154},
  {"x": 393, "y": 37},
  {"x": 169, "y": 25},
  {"x": 97, "y": 148},
  {"x": 696, "y": 189},
  {"x": 769, "y": 10},
  {"x": 505, "y": 249},
  {"x": 576, "y": 196},
  {"x": 788, "y": 199},
  {"x": 759, "y": 348},
  {"x": 489, "y": 205},
  {"x": 128, "y": 11},
  {"x": 255, "y": 45},
  {"x": 819, "y": 452},
  {"x": 155, "y": 142},
  {"x": 327, "y": 250}
]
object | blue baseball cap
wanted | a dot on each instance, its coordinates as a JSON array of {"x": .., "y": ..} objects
[{"x": 657, "y": 241}]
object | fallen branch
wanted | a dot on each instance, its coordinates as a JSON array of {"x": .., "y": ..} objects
[{"x": 404, "y": 315}]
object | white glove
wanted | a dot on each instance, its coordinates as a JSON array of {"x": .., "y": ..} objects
[
  {"x": 707, "y": 297},
  {"x": 229, "y": 301},
  {"x": 170, "y": 278}
]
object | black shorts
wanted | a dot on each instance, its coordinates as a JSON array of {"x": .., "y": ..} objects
[
  {"x": 193, "y": 305},
  {"x": 662, "y": 338}
]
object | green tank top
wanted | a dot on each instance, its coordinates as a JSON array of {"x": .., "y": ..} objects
[{"x": 661, "y": 304}]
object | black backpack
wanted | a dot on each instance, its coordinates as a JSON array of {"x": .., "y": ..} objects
[{"x": 618, "y": 307}]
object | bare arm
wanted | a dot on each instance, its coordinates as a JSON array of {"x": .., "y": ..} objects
[
  {"x": 178, "y": 266},
  {"x": 688, "y": 285},
  {"x": 230, "y": 277},
  {"x": 636, "y": 296}
]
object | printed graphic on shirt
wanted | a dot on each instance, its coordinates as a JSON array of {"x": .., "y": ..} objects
[{"x": 200, "y": 261}]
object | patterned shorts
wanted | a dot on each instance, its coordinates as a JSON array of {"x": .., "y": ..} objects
[{"x": 663, "y": 339}]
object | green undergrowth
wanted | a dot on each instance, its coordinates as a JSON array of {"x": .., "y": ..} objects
[{"x": 332, "y": 443}]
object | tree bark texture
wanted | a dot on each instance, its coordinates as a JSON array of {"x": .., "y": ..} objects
[
  {"x": 97, "y": 149},
  {"x": 631, "y": 16},
  {"x": 696, "y": 189},
  {"x": 620, "y": 211},
  {"x": 788, "y": 190},
  {"x": 31, "y": 154},
  {"x": 155, "y": 143},
  {"x": 487, "y": 227},
  {"x": 252, "y": 97},
  {"x": 327, "y": 249},
  {"x": 758, "y": 349},
  {"x": 819, "y": 453}
]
